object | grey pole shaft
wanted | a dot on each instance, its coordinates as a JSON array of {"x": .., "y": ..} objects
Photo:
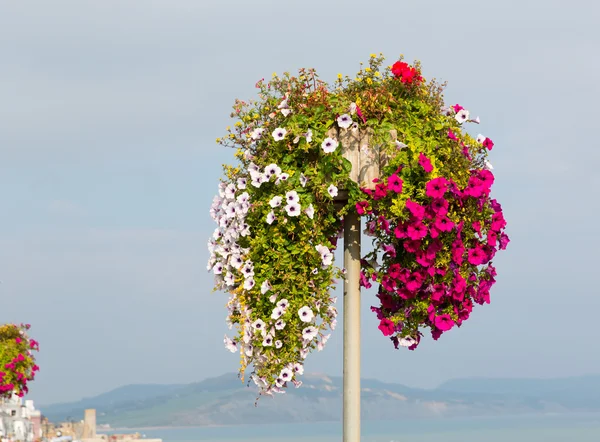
[{"x": 351, "y": 430}]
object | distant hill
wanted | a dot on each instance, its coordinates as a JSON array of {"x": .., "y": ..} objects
[{"x": 226, "y": 401}]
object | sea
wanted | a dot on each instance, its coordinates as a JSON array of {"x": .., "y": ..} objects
[{"x": 578, "y": 427}]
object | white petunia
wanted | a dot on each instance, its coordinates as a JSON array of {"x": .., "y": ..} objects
[
  {"x": 241, "y": 183},
  {"x": 400, "y": 144},
  {"x": 248, "y": 350},
  {"x": 257, "y": 133},
  {"x": 344, "y": 121},
  {"x": 249, "y": 283},
  {"x": 272, "y": 170},
  {"x": 327, "y": 259},
  {"x": 275, "y": 201},
  {"x": 352, "y": 108},
  {"x": 283, "y": 104},
  {"x": 270, "y": 217},
  {"x": 481, "y": 138},
  {"x": 218, "y": 268},
  {"x": 279, "y": 134},
  {"x": 309, "y": 333},
  {"x": 304, "y": 353},
  {"x": 298, "y": 369},
  {"x": 229, "y": 279},
  {"x": 333, "y": 324},
  {"x": 309, "y": 135},
  {"x": 258, "y": 179},
  {"x": 462, "y": 115},
  {"x": 273, "y": 298},
  {"x": 243, "y": 198},
  {"x": 292, "y": 197},
  {"x": 265, "y": 287},
  {"x": 259, "y": 325},
  {"x": 407, "y": 342},
  {"x": 475, "y": 120},
  {"x": 230, "y": 191},
  {"x": 282, "y": 178},
  {"x": 268, "y": 341},
  {"x": 488, "y": 165},
  {"x": 303, "y": 180},
  {"x": 280, "y": 324},
  {"x": 286, "y": 374},
  {"x": 236, "y": 261},
  {"x": 332, "y": 190},
  {"x": 283, "y": 304},
  {"x": 306, "y": 314},
  {"x": 286, "y": 112},
  {"x": 253, "y": 168},
  {"x": 230, "y": 344},
  {"x": 278, "y": 344},
  {"x": 329, "y": 145},
  {"x": 310, "y": 211},
  {"x": 277, "y": 313},
  {"x": 293, "y": 209}
]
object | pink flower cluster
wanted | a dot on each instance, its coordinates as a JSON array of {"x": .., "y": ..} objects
[
  {"x": 20, "y": 369},
  {"x": 438, "y": 255}
]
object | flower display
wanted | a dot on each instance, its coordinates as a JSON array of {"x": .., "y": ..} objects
[
  {"x": 17, "y": 362},
  {"x": 434, "y": 225}
]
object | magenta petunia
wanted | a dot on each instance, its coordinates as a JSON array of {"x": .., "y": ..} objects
[
  {"x": 476, "y": 256},
  {"x": 444, "y": 322},
  {"x": 444, "y": 224},
  {"x": 390, "y": 250},
  {"x": 387, "y": 327},
  {"x": 425, "y": 162},
  {"x": 504, "y": 240},
  {"x": 487, "y": 143},
  {"x": 439, "y": 206},
  {"x": 437, "y": 187},
  {"x": 412, "y": 245},
  {"x": 451, "y": 135},
  {"x": 416, "y": 230},
  {"x": 362, "y": 207},
  {"x": 417, "y": 210},
  {"x": 380, "y": 191},
  {"x": 395, "y": 183},
  {"x": 414, "y": 281}
]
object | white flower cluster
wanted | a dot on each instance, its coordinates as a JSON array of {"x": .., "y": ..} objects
[
  {"x": 260, "y": 337},
  {"x": 292, "y": 207}
]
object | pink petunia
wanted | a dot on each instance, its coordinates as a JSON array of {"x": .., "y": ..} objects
[
  {"x": 395, "y": 183},
  {"x": 437, "y": 187},
  {"x": 414, "y": 281},
  {"x": 457, "y": 108},
  {"x": 504, "y": 240},
  {"x": 416, "y": 230},
  {"x": 425, "y": 163},
  {"x": 439, "y": 206},
  {"x": 451, "y": 135},
  {"x": 444, "y": 224},
  {"x": 476, "y": 256},
  {"x": 362, "y": 207},
  {"x": 380, "y": 191},
  {"x": 412, "y": 245},
  {"x": 417, "y": 210},
  {"x": 487, "y": 143},
  {"x": 390, "y": 250},
  {"x": 387, "y": 327},
  {"x": 444, "y": 322}
]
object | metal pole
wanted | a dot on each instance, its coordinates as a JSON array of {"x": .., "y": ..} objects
[{"x": 351, "y": 430}]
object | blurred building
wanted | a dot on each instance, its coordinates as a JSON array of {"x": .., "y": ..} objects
[{"x": 19, "y": 421}]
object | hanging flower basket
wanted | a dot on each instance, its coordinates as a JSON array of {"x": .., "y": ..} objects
[
  {"x": 382, "y": 144},
  {"x": 17, "y": 362}
]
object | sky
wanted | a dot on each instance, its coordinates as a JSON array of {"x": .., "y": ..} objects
[{"x": 108, "y": 165}]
